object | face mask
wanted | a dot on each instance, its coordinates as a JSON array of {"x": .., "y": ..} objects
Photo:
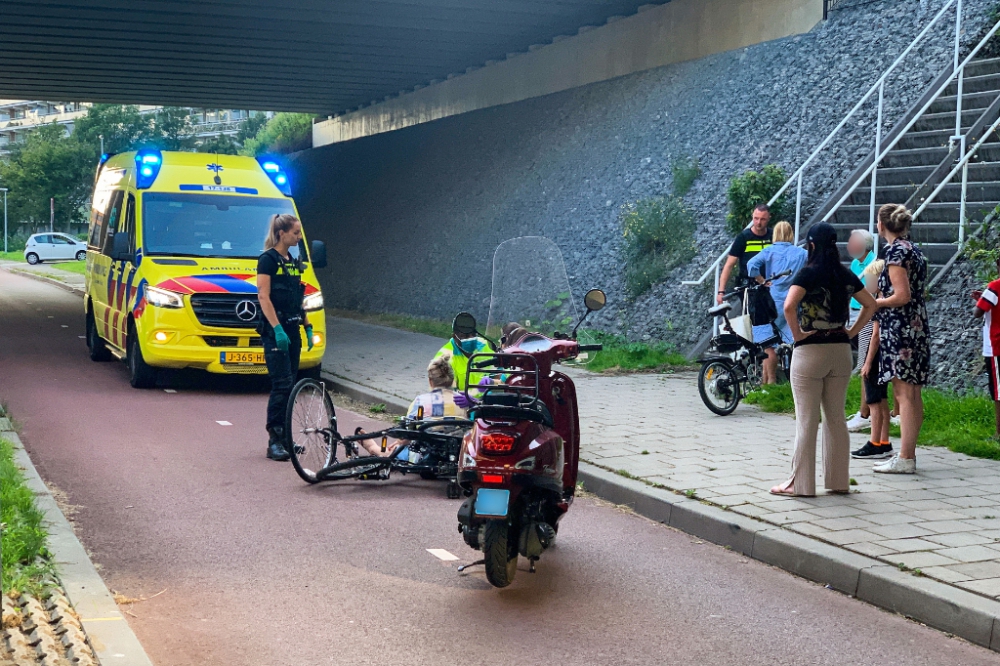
[{"x": 468, "y": 346}]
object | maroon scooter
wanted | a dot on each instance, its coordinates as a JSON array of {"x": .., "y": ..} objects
[{"x": 518, "y": 465}]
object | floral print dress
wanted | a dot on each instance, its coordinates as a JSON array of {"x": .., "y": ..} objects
[{"x": 904, "y": 337}]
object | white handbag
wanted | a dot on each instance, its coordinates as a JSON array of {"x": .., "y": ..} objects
[{"x": 742, "y": 326}]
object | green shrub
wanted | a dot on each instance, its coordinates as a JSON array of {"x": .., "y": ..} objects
[
  {"x": 753, "y": 188},
  {"x": 659, "y": 236},
  {"x": 685, "y": 170},
  {"x": 982, "y": 252}
]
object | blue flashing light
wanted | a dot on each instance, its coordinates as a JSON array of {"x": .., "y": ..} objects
[
  {"x": 148, "y": 162},
  {"x": 104, "y": 158},
  {"x": 277, "y": 175}
]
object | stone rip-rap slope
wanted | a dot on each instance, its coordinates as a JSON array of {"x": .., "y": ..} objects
[{"x": 412, "y": 217}]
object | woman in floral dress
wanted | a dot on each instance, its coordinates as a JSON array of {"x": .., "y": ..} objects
[{"x": 904, "y": 337}]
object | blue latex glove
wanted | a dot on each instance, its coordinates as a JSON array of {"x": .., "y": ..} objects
[
  {"x": 281, "y": 338},
  {"x": 309, "y": 337},
  {"x": 486, "y": 381},
  {"x": 463, "y": 401}
]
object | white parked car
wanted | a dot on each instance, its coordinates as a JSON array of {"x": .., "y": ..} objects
[{"x": 48, "y": 247}]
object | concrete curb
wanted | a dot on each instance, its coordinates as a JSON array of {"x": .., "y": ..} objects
[
  {"x": 107, "y": 630},
  {"x": 42, "y": 278},
  {"x": 936, "y": 604},
  {"x": 363, "y": 393}
]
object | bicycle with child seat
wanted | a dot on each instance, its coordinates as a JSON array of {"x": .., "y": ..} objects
[
  {"x": 733, "y": 366},
  {"x": 428, "y": 448}
]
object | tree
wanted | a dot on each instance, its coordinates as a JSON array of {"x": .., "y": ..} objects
[
  {"x": 48, "y": 164},
  {"x": 122, "y": 126},
  {"x": 283, "y": 133},
  {"x": 752, "y": 188},
  {"x": 171, "y": 127},
  {"x": 250, "y": 127},
  {"x": 222, "y": 144}
]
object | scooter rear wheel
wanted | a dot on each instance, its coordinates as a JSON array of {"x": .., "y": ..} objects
[{"x": 500, "y": 548}]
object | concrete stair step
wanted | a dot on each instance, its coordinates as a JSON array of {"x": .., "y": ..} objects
[
  {"x": 979, "y": 172},
  {"x": 856, "y": 215},
  {"x": 922, "y": 232},
  {"x": 983, "y": 66},
  {"x": 913, "y": 157},
  {"x": 931, "y": 139},
  {"x": 988, "y": 191},
  {"x": 946, "y": 121},
  {"x": 975, "y": 84},
  {"x": 978, "y": 100}
]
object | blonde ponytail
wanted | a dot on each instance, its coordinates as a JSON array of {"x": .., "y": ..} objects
[{"x": 278, "y": 224}]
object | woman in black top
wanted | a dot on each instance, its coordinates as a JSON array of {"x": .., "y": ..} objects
[
  {"x": 279, "y": 288},
  {"x": 817, "y": 310}
]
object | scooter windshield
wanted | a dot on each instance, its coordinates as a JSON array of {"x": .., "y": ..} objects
[{"x": 530, "y": 287}]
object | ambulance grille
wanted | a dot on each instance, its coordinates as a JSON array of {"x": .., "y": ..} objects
[{"x": 220, "y": 310}]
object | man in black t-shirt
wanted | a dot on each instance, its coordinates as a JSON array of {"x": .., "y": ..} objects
[{"x": 748, "y": 243}]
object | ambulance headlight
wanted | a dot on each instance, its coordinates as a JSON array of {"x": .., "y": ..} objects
[
  {"x": 313, "y": 302},
  {"x": 162, "y": 298}
]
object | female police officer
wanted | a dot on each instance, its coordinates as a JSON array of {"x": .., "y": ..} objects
[{"x": 280, "y": 290}]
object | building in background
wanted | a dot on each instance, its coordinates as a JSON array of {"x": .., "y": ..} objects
[{"x": 18, "y": 118}]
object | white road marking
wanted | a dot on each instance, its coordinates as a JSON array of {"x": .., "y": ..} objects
[
  {"x": 64, "y": 325},
  {"x": 224, "y": 423},
  {"x": 170, "y": 390},
  {"x": 82, "y": 337},
  {"x": 442, "y": 554}
]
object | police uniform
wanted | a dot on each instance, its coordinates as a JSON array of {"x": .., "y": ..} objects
[{"x": 287, "y": 291}]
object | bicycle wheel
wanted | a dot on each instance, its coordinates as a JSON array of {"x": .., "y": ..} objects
[
  {"x": 308, "y": 422},
  {"x": 367, "y": 467},
  {"x": 719, "y": 386}
]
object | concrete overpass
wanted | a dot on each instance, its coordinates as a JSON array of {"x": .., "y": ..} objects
[{"x": 371, "y": 65}]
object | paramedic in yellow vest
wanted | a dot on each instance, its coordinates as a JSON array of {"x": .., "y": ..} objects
[{"x": 464, "y": 343}]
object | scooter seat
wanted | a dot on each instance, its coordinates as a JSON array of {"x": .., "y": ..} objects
[{"x": 536, "y": 412}]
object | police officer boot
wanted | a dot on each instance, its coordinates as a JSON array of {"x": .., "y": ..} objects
[{"x": 276, "y": 444}]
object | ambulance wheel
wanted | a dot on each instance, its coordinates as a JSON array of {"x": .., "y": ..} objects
[
  {"x": 95, "y": 343},
  {"x": 140, "y": 374}
]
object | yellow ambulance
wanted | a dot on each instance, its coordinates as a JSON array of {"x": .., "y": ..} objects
[{"x": 172, "y": 263}]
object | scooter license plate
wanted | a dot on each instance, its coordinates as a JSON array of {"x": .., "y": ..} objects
[{"x": 492, "y": 502}]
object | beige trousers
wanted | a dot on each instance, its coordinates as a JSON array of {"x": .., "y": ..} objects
[{"x": 820, "y": 374}]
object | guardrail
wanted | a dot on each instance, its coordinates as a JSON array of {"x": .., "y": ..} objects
[{"x": 958, "y": 69}]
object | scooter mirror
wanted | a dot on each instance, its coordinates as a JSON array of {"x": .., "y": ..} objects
[
  {"x": 595, "y": 300},
  {"x": 464, "y": 325}
]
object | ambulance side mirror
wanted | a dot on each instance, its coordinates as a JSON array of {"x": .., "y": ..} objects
[
  {"x": 120, "y": 250},
  {"x": 318, "y": 254}
]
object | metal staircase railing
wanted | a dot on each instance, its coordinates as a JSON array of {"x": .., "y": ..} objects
[{"x": 958, "y": 69}]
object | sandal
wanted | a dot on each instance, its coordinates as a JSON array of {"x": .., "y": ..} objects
[{"x": 786, "y": 489}]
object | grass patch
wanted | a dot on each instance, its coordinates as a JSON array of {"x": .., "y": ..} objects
[
  {"x": 78, "y": 267},
  {"x": 27, "y": 566},
  {"x": 434, "y": 327},
  {"x": 623, "y": 356},
  {"x": 961, "y": 423},
  {"x": 12, "y": 256}
]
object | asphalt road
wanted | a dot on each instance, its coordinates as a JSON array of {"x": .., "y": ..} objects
[{"x": 256, "y": 567}]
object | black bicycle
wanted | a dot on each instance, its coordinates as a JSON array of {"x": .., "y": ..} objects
[
  {"x": 320, "y": 453},
  {"x": 733, "y": 366}
]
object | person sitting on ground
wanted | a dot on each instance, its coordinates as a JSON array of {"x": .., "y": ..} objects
[
  {"x": 874, "y": 392},
  {"x": 779, "y": 257},
  {"x": 988, "y": 308},
  {"x": 436, "y": 405}
]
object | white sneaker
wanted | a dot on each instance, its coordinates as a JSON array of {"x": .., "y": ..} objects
[
  {"x": 894, "y": 420},
  {"x": 858, "y": 423},
  {"x": 897, "y": 465}
]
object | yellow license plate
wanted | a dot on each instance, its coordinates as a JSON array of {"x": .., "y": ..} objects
[{"x": 242, "y": 358}]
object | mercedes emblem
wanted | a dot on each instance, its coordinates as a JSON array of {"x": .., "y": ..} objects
[{"x": 246, "y": 310}]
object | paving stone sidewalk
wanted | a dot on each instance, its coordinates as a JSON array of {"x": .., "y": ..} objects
[{"x": 944, "y": 521}]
